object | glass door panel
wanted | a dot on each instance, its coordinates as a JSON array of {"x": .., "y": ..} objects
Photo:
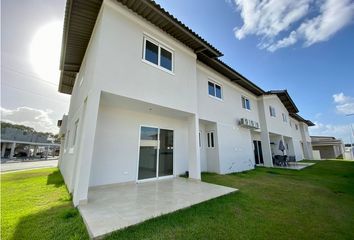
[
  {"x": 148, "y": 153},
  {"x": 166, "y": 153}
]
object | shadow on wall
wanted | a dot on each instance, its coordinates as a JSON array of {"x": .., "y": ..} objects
[
  {"x": 61, "y": 222},
  {"x": 55, "y": 179}
]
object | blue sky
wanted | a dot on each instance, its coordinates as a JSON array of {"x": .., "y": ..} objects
[
  {"x": 267, "y": 43},
  {"x": 312, "y": 74}
]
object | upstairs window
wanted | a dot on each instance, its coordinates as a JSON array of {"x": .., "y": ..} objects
[
  {"x": 246, "y": 104},
  {"x": 214, "y": 90},
  {"x": 158, "y": 55},
  {"x": 296, "y": 127},
  {"x": 285, "y": 119},
  {"x": 272, "y": 111}
]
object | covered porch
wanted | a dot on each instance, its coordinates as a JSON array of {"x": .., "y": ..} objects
[
  {"x": 113, "y": 207},
  {"x": 282, "y": 149},
  {"x": 132, "y": 141}
]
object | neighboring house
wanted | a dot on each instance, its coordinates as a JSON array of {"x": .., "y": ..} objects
[
  {"x": 24, "y": 142},
  {"x": 328, "y": 147},
  {"x": 150, "y": 100}
]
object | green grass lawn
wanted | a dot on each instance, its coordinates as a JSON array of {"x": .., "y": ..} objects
[
  {"x": 36, "y": 205},
  {"x": 314, "y": 203}
]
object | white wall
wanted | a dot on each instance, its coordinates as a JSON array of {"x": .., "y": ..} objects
[
  {"x": 122, "y": 71},
  {"x": 235, "y": 147},
  {"x": 116, "y": 152},
  {"x": 276, "y": 124}
]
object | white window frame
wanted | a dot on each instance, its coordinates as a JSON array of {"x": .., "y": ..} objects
[
  {"x": 76, "y": 127},
  {"x": 285, "y": 119},
  {"x": 244, "y": 100},
  {"x": 159, "y": 46},
  {"x": 211, "y": 136},
  {"x": 272, "y": 111},
  {"x": 221, "y": 90}
]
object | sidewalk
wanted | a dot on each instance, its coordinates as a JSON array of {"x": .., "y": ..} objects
[{"x": 18, "y": 166}]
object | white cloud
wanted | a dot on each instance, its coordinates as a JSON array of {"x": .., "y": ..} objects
[
  {"x": 338, "y": 131},
  {"x": 344, "y": 104},
  {"x": 38, "y": 119},
  {"x": 310, "y": 21},
  {"x": 285, "y": 42}
]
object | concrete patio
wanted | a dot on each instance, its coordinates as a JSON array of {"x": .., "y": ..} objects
[
  {"x": 114, "y": 207},
  {"x": 296, "y": 165}
]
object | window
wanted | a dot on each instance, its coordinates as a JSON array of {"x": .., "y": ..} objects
[
  {"x": 210, "y": 138},
  {"x": 67, "y": 138},
  {"x": 214, "y": 90},
  {"x": 158, "y": 55},
  {"x": 285, "y": 119},
  {"x": 291, "y": 123},
  {"x": 200, "y": 139},
  {"x": 296, "y": 127},
  {"x": 246, "y": 104},
  {"x": 272, "y": 111},
  {"x": 75, "y": 132}
]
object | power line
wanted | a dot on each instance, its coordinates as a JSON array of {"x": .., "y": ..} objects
[
  {"x": 30, "y": 76},
  {"x": 33, "y": 93}
]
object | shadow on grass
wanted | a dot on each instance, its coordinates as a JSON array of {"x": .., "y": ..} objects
[
  {"x": 55, "y": 179},
  {"x": 62, "y": 222}
]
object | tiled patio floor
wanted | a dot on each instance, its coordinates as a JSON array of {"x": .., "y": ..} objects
[{"x": 110, "y": 208}]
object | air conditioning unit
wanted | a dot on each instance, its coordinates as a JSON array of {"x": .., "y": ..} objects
[
  {"x": 247, "y": 123},
  {"x": 244, "y": 121}
]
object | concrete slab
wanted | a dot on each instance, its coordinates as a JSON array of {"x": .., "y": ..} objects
[
  {"x": 110, "y": 208},
  {"x": 296, "y": 165}
]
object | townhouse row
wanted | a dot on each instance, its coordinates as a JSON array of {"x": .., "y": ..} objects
[{"x": 151, "y": 100}]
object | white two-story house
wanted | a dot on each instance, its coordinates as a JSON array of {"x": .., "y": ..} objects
[{"x": 150, "y": 100}]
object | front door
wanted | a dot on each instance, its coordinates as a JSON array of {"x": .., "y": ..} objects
[{"x": 156, "y": 153}]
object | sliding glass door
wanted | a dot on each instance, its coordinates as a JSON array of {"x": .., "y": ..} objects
[{"x": 156, "y": 153}]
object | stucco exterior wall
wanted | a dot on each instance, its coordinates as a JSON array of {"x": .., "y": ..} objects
[
  {"x": 116, "y": 151},
  {"x": 121, "y": 69}
]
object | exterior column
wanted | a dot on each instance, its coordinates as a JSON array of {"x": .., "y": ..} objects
[
  {"x": 3, "y": 149},
  {"x": 12, "y": 152},
  {"x": 193, "y": 151},
  {"x": 266, "y": 151},
  {"x": 86, "y": 141}
]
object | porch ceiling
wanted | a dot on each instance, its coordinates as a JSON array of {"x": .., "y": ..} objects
[{"x": 113, "y": 100}]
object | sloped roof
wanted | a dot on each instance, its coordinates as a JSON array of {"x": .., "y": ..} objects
[
  {"x": 79, "y": 21},
  {"x": 301, "y": 119},
  {"x": 285, "y": 98},
  {"x": 230, "y": 73}
]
